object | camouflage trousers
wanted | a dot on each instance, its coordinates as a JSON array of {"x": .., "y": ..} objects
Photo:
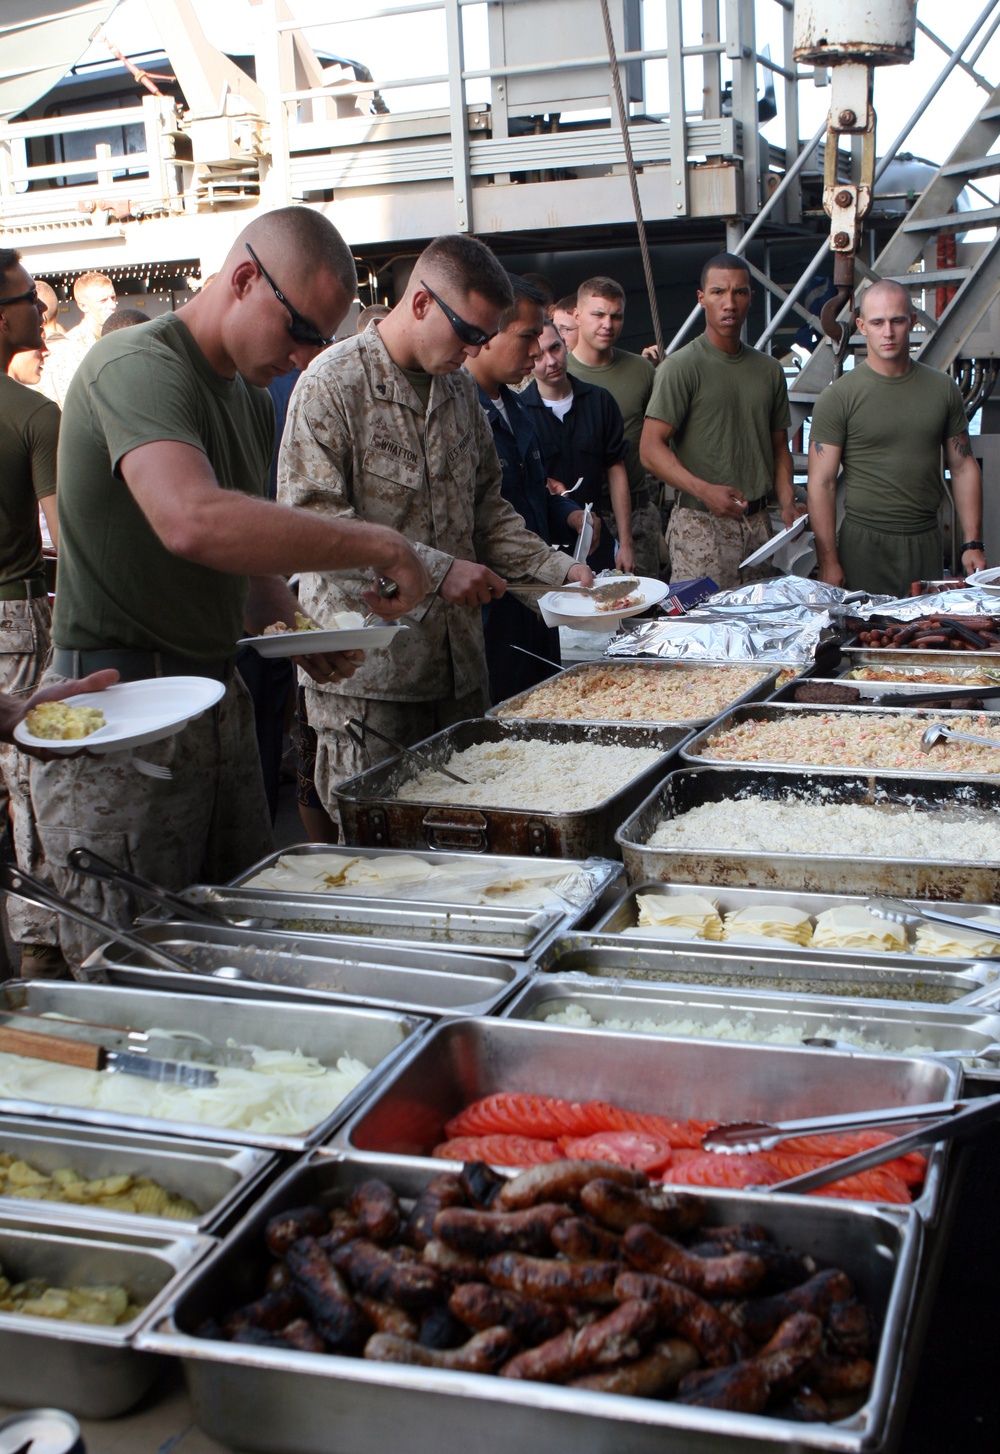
[
  {"x": 646, "y": 535},
  {"x": 701, "y": 544},
  {"x": 338, "y": 758},
  {"x": 25, "y": 646},
  {"x": 205, "y": 824}
]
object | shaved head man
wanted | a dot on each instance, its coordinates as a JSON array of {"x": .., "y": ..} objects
[{"x": 886, "y": 424}]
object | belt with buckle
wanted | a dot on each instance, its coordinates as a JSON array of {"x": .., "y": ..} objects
[
  {"x": 24, "y": 590},
  {"x": 137, "y": 666},
  {"x": 754, "y": 507}
]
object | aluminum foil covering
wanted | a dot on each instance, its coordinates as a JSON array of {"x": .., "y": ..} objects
[
  {"x": 970, "y": 601},
  {"x": 787, "y": 636},
  {"x": 785, "y": 591}
]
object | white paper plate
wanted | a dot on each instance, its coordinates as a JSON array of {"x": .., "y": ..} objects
[
  {"x": 770, "y": 547},
  {"x": 135, "y": 713},
  {"x": 570, "y": 608},
  {"x": 308, "y": 643},
  {"x": 986, "y": 580}
]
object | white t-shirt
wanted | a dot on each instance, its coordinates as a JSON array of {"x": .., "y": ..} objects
[{"x": 559, "y": 407}]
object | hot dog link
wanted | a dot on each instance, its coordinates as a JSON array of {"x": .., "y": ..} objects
[
  {"x": 734, "y": 1273},
  {"x": 612, "y": 1339},
  {"x": 553, "y": 1281},
  {"x": 717, "y": 1339},
  {"x": 409, "y": 1285},
  {"x": 483, "y": 1233},
  {"x": 580, "y": 1238},
  {"x": 335, "y": 1314},
  {"x": 484, "y": 1353},
  {"x": 620, "y": 1207},
  {"x": 441, "y": 1191},
  {"x": 532, "y": 1321},
  {"x": 654, "y": 1376},
  {"x": 562, "y": 1181},
  {"x": 377, "y": 1210}
]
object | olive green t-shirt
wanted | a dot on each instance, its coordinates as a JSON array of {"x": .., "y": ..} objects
[
  {"x": 118, "y": 585},
  {"x": 724, "y": 408},
  {"x": 891, "y": 431},
  {"x": 628, "y": 378},
  {"x": 29, "y": 430}
]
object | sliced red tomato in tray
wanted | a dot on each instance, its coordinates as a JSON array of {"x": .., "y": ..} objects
[
  {"x": 514, "y": 1113},
  {"x": 713, "y": 1169},
  {"x": 639, "y": 1150},
  {"x": 499, "y": 1150}
]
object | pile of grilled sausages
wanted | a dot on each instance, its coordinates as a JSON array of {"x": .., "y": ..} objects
[
  {"x": 938, "y": 633},
  {"x": 574, "y": 1272}
]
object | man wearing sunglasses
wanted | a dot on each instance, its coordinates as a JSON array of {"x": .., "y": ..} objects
[
  {"x": 29, "y": 431},
  {"x": 170, "y": 552},
  {"x": 387, "y": 426}
]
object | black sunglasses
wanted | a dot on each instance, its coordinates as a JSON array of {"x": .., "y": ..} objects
[
  {"x": 300, "y": 328},
  {"x": 30, "y": 297},
  {"x": 467, "y": 332}
]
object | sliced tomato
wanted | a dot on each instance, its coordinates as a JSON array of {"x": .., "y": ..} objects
[
  {"x": 498, "y": 1150},
  {"x": 878, "y": 1184},
  {"x": 678, "y": 1133},
  {"x": 518, "y": 1113},
  {"x": 711, "y": 1169},
  {"x": 639, "y": 1150}
]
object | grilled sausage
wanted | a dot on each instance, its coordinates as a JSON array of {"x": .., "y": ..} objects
[
  {"x": 762, "y": 1316},
  {"x": 734, "y": 1273},
  {"x": 562, "y": 1181},
  {"x": 288, "y": 1227},
  {"x": 832, "y": 1376},
  {"x": 384, "y": 1318},
  {"x": 553, "y": 1281},
  {"x": 270, "y": 1312},
  {"x": 793, "y": 1346},
  {"x": 375, "y": 1205},
  {"x": 441, "y": 1191},
  {"x": 483, "y": 1353},
  {"x": 303, "y": 1336},
  {"x": 717, "y": 1339},
  {"x": 782, "y": 1267},
  {"x": 806, "y": 1407},
  {"x": 335, "y": 1314},
  {"x": 849, "y": 1329},
  {"x": 733, "y": 1234},
  {"x": 529, "y": 1319},
  {"x": 741, "y": 1387},
  {"x": 439, "y": 1328},
  {"x": 654, "y": 1376},
  {"x": 620, "y": 1207},
  {"x": 582, "y": 1239},
  {"x": 456, "y": 1266},
  {"x": 612, "y": 1339},
  {"x": 369, "y": 1269},
  {"x": 484, "y": 1233},
  {"x": 481, "y": 1184},
  {"x": 343, "y": 1228}
]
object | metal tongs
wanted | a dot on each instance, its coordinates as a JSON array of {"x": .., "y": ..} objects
[
  {"x": 941, "y": 1121},
  {"x": 917, "y": 699},
  {"x": 358, "y": 730},
  {"x": 85, "y": 861},
  {"x": 903, "y": 913}
]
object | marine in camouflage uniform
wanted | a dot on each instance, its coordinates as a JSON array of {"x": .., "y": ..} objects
[{"x": 359, "y": 442}]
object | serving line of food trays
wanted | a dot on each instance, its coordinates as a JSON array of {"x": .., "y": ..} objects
[
  {"x": 888, "y": 1027},
  {"x": 264, "y": 967},
  {"x": 325, "y": 1031},
  {"x": 613, "y": 927},
  {"x": 820, "y": 868},
  {"x": 373, "y": 816},
  {"x": 511, "y": 709},
  {"x": 274, "y": 1400},
  {"x": 460, "y": 1061},
  {"x": 858, "y": 653}
]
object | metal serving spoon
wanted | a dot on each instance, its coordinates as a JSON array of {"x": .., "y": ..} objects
[{"x": 938, "y": 732}]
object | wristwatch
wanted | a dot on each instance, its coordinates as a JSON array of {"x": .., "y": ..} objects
[{"x": 972, "y": 545}]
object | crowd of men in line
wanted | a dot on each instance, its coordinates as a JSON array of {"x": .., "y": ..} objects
[{"x": 451, "y": 446}]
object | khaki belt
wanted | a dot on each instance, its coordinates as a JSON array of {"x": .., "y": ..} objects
[
  {"x": 24, "y": 590},
  {"x": 137, "y": 666}
]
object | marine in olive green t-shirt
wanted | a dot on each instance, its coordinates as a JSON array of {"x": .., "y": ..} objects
[
  {"x": 628, "y": 378},
  {"x": 119, "y": 586},
  {"x": 724, "y": 408},
  {"x": 29, "y": 432},
  {"x": 891, "y": 431}
]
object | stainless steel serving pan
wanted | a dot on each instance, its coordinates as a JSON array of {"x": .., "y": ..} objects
[
  {"x": 598, "y": 876},
  {"x": 510, "y": 710},
  {"x": 624, "y": 915},
  {"x": 698, "y": 749},
  {"x": 275, "y": 1400},
  {"x": 459, "y": 1062},
  {"x": 867, "y": 691},
  {"x": 259, "y": 966},
  {"x": 325, "y": 1031},
  {"x": 825, "y": 870},
  {"x": 373, "y": 816},
  {"x": 315, "y": 919},
  {"x": 736, "y": 967},
  {"x": 92, "y": 1371},
  {"x": 219, "y": 1179},
  {"x": 888, "y": 1028},
  {"x": 859, "y": 655}
]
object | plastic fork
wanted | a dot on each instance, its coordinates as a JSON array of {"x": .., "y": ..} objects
[
  {"x": 151, "y": 769},
  {"x": 938, "y": 732},
  {"x": 903, "y": 913}
]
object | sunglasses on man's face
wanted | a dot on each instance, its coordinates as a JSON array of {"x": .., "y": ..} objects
[
  {"x": 467, "y": 332},
  {"x": 299, "y": 326},
  {"x": 31, "y": 296}
]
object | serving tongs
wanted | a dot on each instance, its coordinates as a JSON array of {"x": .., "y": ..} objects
[
  {"x": 918, "y": 699},
  {"x": 92, "y": 865},
  {"x": 358, "y": 730},
  {"x": 904, "y": 913},
  {"x": 602, "y": 590},
  {"x": 942, "y": 1121}
]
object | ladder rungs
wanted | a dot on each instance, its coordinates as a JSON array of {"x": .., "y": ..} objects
[
  {"x": 972, "y": 166},
  {"x": 956, "y": 221}
]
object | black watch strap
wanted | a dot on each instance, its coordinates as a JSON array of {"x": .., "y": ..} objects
[{"x": 972, "y": 545}]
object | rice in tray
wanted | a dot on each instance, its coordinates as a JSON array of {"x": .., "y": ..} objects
[
  {"x": 637, "y": 694},
  {"x": 856, "y": 740},
  {"x": 754, "y": 824},
  {"x": 549, "y": 777}
]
